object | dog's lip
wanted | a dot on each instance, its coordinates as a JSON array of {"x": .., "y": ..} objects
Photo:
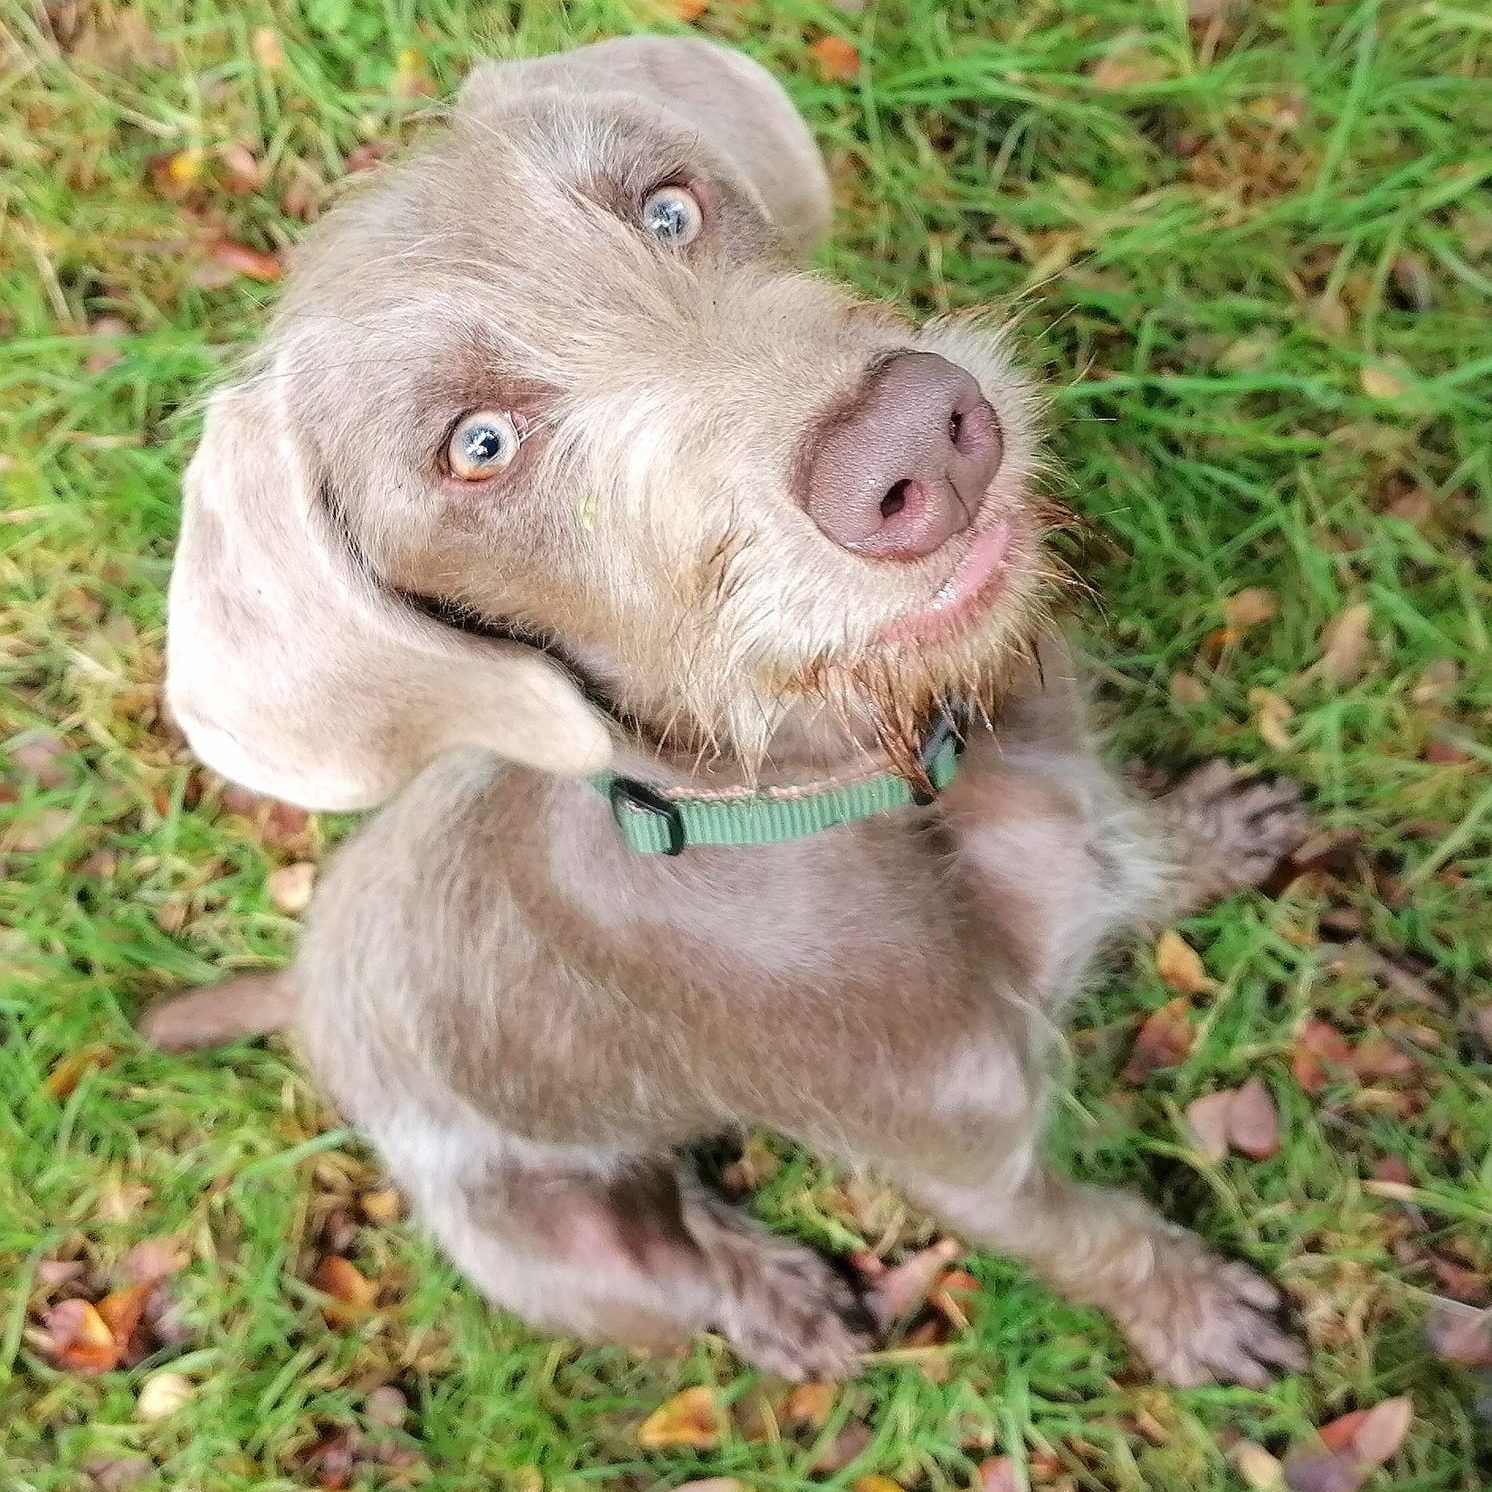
[{"x": 969, "y": 588}]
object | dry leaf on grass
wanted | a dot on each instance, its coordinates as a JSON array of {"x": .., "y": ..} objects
[
  {"x": 1257, "y": 1468},
  {"x": 1350, "y": 1447},
  {"x": 687, "y": 10},
  {"x": 901, "y": 1289},
  {"x": 1164, "y": 1040},
  {"x": 998, "y": 1474},
  {"x": 1345, "y": 644},
  {"x": 809, "y": 1404},
  {"x": 251, "y": 263},
  {"x": 1460, "y": 1333},
  {"x": 846, "y": 1446},
  {"x": 1384, "y": 381},
  {"x": 1272, "y": 714},
  {"x": 1242, "y": 1119},
  {"x": 350, "y": 1294},
  {"x": 837, "y": 59},
  {"x": 875, "y": 1484},
  {"x": 1320, "y": 1054},
  {"x": 692, "y": 1418},
  {"x": 77, "y": 1338},
  {"x": 1251, "y": 608},
  {"x": 1179, "y": 964},
  {"x": 62, "y": 1081},
  {"x": 1128, "y": 65},
  {"x": 290, "y": 887},
  {"x": 1188, "y": 689},
  {"x": 162, "y": 1394},
  {"x": 153, "y": 1259}
]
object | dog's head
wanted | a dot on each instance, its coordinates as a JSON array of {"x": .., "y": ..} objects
[{"x": 554, "y": 390}]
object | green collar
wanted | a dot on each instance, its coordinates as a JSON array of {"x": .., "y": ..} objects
[{"x": 655, "y": 823}]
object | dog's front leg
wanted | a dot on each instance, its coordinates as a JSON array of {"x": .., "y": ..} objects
[{"x": 1193, "y": 1315}]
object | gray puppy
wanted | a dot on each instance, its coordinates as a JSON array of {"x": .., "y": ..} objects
[{"x": 559, "y": 490}]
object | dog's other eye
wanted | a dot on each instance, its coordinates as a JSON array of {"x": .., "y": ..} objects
[
  {"x": 673, "y": 216},
  {"x": 482, "y": 444}
]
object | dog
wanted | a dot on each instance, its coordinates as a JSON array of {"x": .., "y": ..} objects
[{"x": 697, "y": 619}]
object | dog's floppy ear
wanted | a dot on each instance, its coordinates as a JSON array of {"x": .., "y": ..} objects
[
  {"x": 735, "y": 104},
  {"x": 293, "y": 672}
]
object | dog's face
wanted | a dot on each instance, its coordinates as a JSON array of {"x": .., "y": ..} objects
[{"x": 561, "y": 374}]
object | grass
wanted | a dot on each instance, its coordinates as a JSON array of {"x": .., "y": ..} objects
[{"x": 1254, "y": 263}]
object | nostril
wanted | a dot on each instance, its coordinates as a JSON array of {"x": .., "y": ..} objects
[
  {"x": 895, "y": 500},
  {"x": 955, "y": 428}
]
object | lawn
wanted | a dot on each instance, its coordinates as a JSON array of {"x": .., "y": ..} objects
[{"x": 1251, "y": 255}]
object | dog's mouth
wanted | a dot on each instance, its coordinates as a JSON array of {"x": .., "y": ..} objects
[{"x": 973, "y": 584}]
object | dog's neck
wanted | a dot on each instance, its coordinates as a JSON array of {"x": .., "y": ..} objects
[{"x": 779, "y": 742}]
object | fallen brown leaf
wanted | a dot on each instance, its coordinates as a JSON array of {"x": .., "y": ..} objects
[
  {"x": 1383, "y": 381},
  {"x": 386, "y": 1406},
  {"x": 1460, "y": 1333},
  {"x": 837, "y": 59},
  {"x": 240, "y": 170},
  {"x": 1320, "y": 1053},
  {"x": 78, "y": 1338},
  {"x": 1127, "y": 66},
  {"x": 1438, "y": 683},
  {"x": 903, "y": 1287},
  {"x": 1257, "y": 1468},
  {"x": 951, "y": 1297},
  {"x": 1413, "y": 288},
  {"x": 350, "y": 1295},
  {"x": 1188, "y": 689},
  {"x": 153, "y": 1259},
  {"x": 1207, "y": 1118},
  {"x": 848, "y": 1444},
  {"x": 1272, "y": 715},
  {"x": 1243, "y": 1119},
  {"x": 118, "y": 1473},
  {"x": 692, "y": 1418},
  {"x": 998, "y": 1474},
  {"x": 38, "y": 830},
  {"x": 163, "y": 1394},
  {"x": 267, "y": 50},
  {"x": 688, "y": 10},
  {"x": 1253, "y": 1123},
  {"x": 1371, "y": 1436},
  {"x": 875, "y": 1484},
  {"x": 251, "y": 263},
  {"x": 1251, "y": 607},
  {"x": 1321, "y": 1471},
  {"x": 40, "y": 754},
  {"x": 1164, "y": 1040},
  {"x": 1179, "y": 964},
  {"x": 809, "y": 1404},
  {"x": 381, "y": 1207},
  {"x": 62, "y": 1081},
  {"x": 1345, "y": 644},
  {"x": 290, "y": 887}
]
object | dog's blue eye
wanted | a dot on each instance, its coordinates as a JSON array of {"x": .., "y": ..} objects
[
  {"x": 482, "y": 445},
  {"x": 672, "y": 215}
]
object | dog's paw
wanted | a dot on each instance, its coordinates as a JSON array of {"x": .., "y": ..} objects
[
  {"x": 1234, "y": 828},
  {"x": 1206, "y": 1319},
  {"x": 791, "y": 1314}
]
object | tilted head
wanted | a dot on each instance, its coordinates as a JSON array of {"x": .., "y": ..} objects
[{"x": 555, "y": 390}]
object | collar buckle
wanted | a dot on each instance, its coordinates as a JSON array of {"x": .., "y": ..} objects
[
  {"x": 630, "y": 796},
  {"x": 933, "y": 755}
]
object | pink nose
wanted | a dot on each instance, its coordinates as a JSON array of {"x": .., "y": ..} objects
[{"x": 907, "y": 466}]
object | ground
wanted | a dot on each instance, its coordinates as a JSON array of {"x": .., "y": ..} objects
[{"x": 1250, "y": 252}]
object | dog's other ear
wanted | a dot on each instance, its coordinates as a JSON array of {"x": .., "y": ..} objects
[
  {"x": 735, "y": 104},
  {"x": 292, "y": 671}
]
